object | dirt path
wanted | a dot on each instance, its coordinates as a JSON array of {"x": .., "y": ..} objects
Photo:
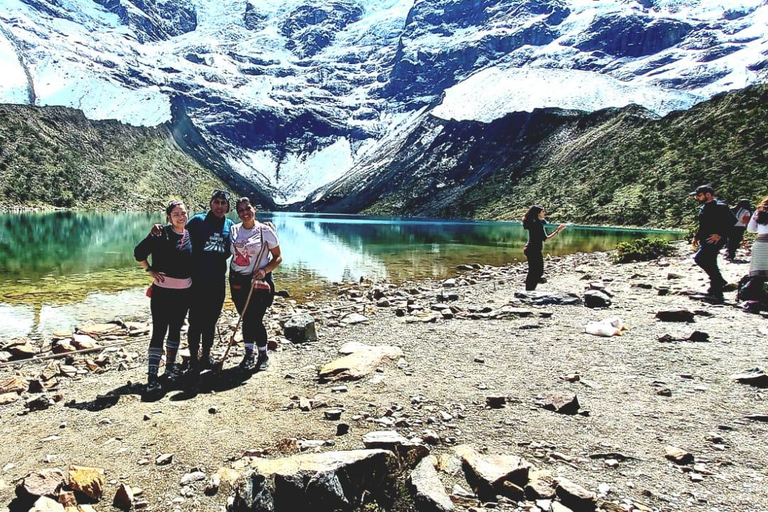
[{"x": 441, "y": 385}]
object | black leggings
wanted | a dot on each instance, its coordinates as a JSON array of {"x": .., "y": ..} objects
[
  {"x": 535, "y": 268},
  {"x": 207, "y": 301},
  {"x": 169, "y": 307},
  {"x": 253, "y": 319}
]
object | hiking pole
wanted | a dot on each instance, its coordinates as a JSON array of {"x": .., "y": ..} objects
[{"x": 220, "y": 364}]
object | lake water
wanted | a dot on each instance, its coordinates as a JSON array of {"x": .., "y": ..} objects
[{"x": 58, "y": 269}]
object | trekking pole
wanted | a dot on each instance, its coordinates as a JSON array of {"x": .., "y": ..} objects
[{"x": 220, "y": 364}]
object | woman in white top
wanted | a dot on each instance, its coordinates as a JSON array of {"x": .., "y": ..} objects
[
  {"x": 758, "y": 265},
  {"x": 255, "y": 254}
]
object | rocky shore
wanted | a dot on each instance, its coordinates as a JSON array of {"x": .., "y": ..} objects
[{"x": 457, "y": 394}]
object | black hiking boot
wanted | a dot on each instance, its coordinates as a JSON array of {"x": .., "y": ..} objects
[
  {"x": 153, "y": 389},
  {"x": 262, "y": 363},
  {"x": 248, "y": 363},
  {"x": 171, "y": 374}
]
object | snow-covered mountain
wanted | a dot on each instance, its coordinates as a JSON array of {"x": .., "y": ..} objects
[{"x": 296, "y": 94}]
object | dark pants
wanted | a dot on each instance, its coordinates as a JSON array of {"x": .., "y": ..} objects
[
  {"x": 207, "y": 301},
  {"x": 734, "y": 240},
  {"x": 706, "y": 258},
  {"x": 535, "y": 267},
  {"x": 169, "y": 307},
  {"x": 253, "y": 318}
]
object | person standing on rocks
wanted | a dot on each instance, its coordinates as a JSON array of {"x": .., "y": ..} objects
[
  {"x": 170, "y": 294},
  {"x": 716, "y": 221},
  {"x": 255, "y": 254},
  {"x": 209, "y": 233},
  {"x": 758, "y": 263},
  {"x": 534, "y": 222},
  {"x": 743, "y": 212},
  {"x": 210, "y": 247}
]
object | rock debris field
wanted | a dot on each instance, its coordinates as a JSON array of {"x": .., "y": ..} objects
[{"x": 461, "y": 394}]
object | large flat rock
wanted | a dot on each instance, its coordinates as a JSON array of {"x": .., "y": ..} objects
[{"x": 360, "y": 361}]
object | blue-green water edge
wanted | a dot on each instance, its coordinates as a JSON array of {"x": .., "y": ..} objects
[{"x": 58, "y": 269}]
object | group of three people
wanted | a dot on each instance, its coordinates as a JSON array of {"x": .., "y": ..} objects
[{"x": 188, "y": 268}]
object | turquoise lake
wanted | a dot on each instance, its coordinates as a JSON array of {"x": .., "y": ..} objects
[{"x": 58, "y": 269}]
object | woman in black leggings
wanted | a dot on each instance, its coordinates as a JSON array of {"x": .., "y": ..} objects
[
  {"x": 171, "y": 272},
  {"x": 534, "y": 222},
  {"x": 255, "y": 254}
]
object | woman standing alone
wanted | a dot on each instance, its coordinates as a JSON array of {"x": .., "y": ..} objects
[
  {"x": 534, "y": 222},
  {"x": 171, "y": 272},
  {"x": 255, "y": 254}
]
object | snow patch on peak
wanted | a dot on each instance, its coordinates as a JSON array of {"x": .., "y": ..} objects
[
  {"x": 495, "y": 92},
  {"x": 298, "y": 174},
  {"x": 13, "y": 86}
]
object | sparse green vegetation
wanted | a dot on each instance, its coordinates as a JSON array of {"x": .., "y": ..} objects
[
  {"x": 55, "y": 157},
  {"x": 628, "y": 169},
  {"x": 642, "y": 249}
]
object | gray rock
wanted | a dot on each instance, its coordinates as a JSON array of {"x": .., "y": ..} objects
[
  {"x": 321, "y": 482},
  {"x": 384, "y": 439},
  {"x": 753, "y": 377},
  {"x": 544, "y": 298},
  {"x": 300, "y": 328},
  {"x": 427, "y": 489},
  {"x": 596, "y": 299},
  {"x": 675, "y": 315},
  {"x": 488, "y": 474}
]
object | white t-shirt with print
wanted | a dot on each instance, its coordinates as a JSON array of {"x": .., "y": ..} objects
[{"x": 246, "y": 245}]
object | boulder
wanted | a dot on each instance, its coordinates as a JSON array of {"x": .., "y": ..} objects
[
  {"x": 45, "y": 504},
  {"x": 300, "y": 328},
  {"x": 360, "y": 362},
  {"x": 574, "y": 496},
  {"x": 89, "y": 481},
  {"x": 123, "y": 498},
  {"x": 321, "y": 482},
  {"x": 384, "y": 439},
  {"x": 596, "y": 299},
  {"x": 45, "y": 482},
  {"x": 753, "y": 377},
  {"x": 21, "y": 351},
  {"x": 428, "y": 492},
  {"x": 487, "y": 474},
  {"x": 675, "y": 315}
]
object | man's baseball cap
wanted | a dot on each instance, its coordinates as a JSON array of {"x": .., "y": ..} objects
[{"x": 703, "y": 189}]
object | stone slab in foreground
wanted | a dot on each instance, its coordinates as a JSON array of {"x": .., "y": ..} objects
[{"x": 318, "y": 481}]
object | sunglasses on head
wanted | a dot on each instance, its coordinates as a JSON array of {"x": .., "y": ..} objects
[{"x": 222, "y": 193}]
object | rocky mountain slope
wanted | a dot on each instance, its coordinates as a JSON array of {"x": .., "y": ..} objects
[
  {"x": 615, "y": 166},
  {"x": 54, "y": 156},
  {"x": 293, "y": 95}
]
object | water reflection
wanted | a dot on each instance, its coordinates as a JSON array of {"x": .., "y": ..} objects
[{"x": 58, "y": 269}]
